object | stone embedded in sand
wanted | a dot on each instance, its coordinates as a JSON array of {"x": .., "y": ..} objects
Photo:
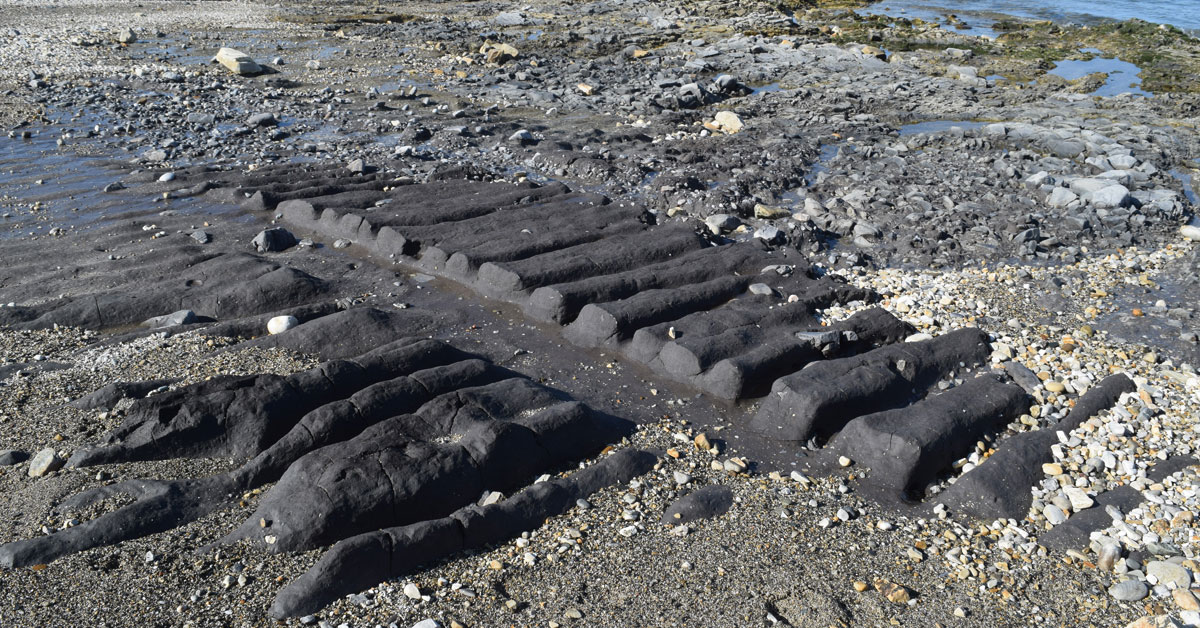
[
  {"x": 174, "y": 319},
  {"x": 238, "y": 62},
  {"x": 895, "y": 593},
  {"x": 45, "y": 462},
  {"x": 1129, "y": 590},
  {"x": 9, "y": 457},
  {"x": 273, "y": 240},
  {"x": 770, "y": 212},
  {"x": 280, "y": 324},
  {"x": 262, "y": 119},
  {"x": 705, "y": 503},
  {"x": 874, "y": 51}
]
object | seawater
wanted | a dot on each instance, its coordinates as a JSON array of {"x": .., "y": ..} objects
[{"x": 1184, "y": 14}]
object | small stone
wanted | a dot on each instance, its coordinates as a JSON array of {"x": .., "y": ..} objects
[
  {"x": 721, "y": 223},
  {"x": 1108, "y": 556},
  {"x": 126, "y": 36},
  {"x": 1079, "y": 499},
  {"x": 44, "y": 462},
  {"x": 1055, "y": 386},
  {"x": 201, "y": 236},
  {"x": 682, "y": 478},
  {"x": 427, "y": 623},
  {"x": 769, "y": 212},
  {"x": 412, "y": 591},
  {"x": 1054, "y": 514},
  {"x": 1129, "y": 590},
  {"x": 1052, "y": 469},
  {"x": 573, "y": 613},
  {"x": 960, "y": 612},
  {"x": 894, "y": 593},
  {"x": 280, "y": 324},
  {"x": 1190, "y": 232},
  {"x": 860, "y": 586},
  {"x": 166, "y": 177},
  {"x": 844, "y": 461},
  {"x": 761, "y": 289},
  {"x": 585, "y": 89},
  {"x": 735, "y": 465},
  {"x": 262, "y": 119}
]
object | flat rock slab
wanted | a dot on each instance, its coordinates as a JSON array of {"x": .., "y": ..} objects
[{"x": 237, "y": 62}]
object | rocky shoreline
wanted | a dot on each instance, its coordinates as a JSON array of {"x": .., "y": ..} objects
[{"x": 709, "y": 224}]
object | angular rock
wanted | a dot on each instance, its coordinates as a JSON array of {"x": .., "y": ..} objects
[
  {"x": 274, "y": 240},
  {"x": 237, "y": 62}
]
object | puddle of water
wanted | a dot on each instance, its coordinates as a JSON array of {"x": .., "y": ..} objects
[
  {"x": 1181, "y": 13},
  {"x": 826, "y": 155},
  {"x": 1122, "y": 76},
  {"x": 71, "y": 193},
  {"x": 969, "y": 23},
  {"x": 1185, "y": 178},
  {"x": 939, "y": 126},
  {"x": 765, "y": 89}
]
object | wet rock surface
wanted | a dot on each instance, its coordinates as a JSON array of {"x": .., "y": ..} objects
[{"x": 506, "y": 301}]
